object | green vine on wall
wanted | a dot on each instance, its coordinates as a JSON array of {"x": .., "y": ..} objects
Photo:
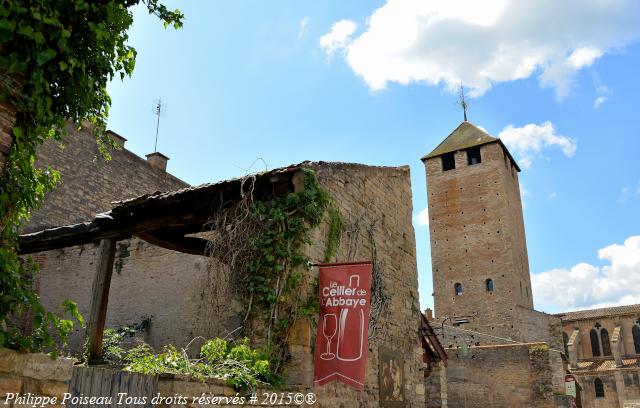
[
  {"x": 56, "y": 58},
  {"x": 276, "y": 278}
]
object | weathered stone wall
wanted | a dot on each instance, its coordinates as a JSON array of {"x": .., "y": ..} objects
[
  {"x": 620, "y": 386},
  {"x": 609, "y": 323},
  {"x": 510, "y": 376},
  {"x": 375, "y": 203},
  {"x": 88, "y": 185},
  {"x": 537, "y": 326},
  {"x": 179, "y": 291},
  {"x": 477, "y": 233},
  {"x": 34, "y": 373}
]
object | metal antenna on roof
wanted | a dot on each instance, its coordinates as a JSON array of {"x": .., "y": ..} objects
[
  {"x": 463, "y": 103},
  {"x": 158, "y": 110}
]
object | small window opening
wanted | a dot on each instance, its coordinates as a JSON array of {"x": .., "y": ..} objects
[
  {"x": 489, "y": 285},
  {"x": 448, "y": 162},
  {"x": 473, "y": 156},
  {"x": 595, "y": 344},
  {"x": 606, "y": 344},
  {"x": 565, "y": 341},
  {"x": 458, "y": 289},
  {"x": 599, "y": 387},
  {"x": 635, "y": 332}
]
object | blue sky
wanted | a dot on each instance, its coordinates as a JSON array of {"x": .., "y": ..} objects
[{"x": 373, "y": 82}]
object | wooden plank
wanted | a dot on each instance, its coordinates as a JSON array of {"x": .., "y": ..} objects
[
  {"x": 187, "y": 245},
  {"x": 100, "y": 298}
]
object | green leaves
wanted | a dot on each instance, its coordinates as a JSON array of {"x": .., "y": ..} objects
[
  {"x": 45, "y": 56},
  {"x": 59, "y": 57}
]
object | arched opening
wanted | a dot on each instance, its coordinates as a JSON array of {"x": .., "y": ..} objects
[
  {"x": 606, "y": 345},
  {"x": 458, "y": 289},
  {"x": 565, "y": 341},
  {"x": 595, "y": 345},
  {"x": 599, "y": 387},
  {"x": 489, "y": 285},
  {"x": 636, "y": 338}
]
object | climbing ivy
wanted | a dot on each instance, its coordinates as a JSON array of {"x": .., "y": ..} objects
[
  {"x": 56, "y": 58},
  {"x": 276, "y": 278}
]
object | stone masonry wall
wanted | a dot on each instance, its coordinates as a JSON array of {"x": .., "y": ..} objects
[
  {"x": 33, "y": 373},
  {"x": 613, "y": 381},
  {"x": 88, "y": 185},
  {"x": 179, "y": 292},
  {"x": 376, "y": 208},
  {"x": 509, "y": 376}
]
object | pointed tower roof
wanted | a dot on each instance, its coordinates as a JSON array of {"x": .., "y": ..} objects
[{"x": 466, "y": 135}]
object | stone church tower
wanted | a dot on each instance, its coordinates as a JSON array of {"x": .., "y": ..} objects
[{"x": 479, "y": 254}]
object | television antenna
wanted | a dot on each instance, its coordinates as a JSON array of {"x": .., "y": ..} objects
[{"x": 159, "y": 109}]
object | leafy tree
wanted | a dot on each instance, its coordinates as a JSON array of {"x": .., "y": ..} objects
[{"x": 56, "y": 58}]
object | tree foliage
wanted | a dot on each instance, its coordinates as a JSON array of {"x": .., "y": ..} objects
[{"x": 56, "y": 58}]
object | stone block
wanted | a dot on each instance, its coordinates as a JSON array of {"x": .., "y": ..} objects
[{"x": 10, "y": 384}]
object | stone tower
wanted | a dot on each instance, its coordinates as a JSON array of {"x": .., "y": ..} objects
[{"x": 479, "y": 255}]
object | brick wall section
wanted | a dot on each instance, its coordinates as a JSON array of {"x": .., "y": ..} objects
[
  {"x": 477, "y": 233},
  {"x": 179, "y": 291},
  {"x": 88, "y": 185},
  {"x": 508, "y": 376}
]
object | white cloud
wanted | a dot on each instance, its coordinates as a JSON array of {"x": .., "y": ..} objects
[
  {"x": 527, "y": 142},
  {"x": 599, "y": 101},
  {"x": 302, "y": 27},
  {"x": 553, "y": 195},
  {"x": 587, "y": 286},
  {"x": 339, "y": 36},
  {"x": 603, "y": 92},
  {"x": 422, "y": 218},
  {"x": 482, "y": 43},
  {"x": 624, "y": 195}
]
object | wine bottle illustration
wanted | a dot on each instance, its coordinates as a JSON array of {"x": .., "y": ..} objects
[{"x": 350, "y": 344}]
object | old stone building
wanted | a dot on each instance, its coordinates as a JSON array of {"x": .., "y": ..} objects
[
  {"x": 182, "y": 295},
  {"x": 603, "y": 346},
  {"x": 503, "y": 353}
]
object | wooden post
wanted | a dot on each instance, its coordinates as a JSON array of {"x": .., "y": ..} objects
[{"x": 100, "y": 298}]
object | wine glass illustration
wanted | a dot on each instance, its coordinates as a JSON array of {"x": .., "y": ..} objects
[{"x": 329, "y": 329}]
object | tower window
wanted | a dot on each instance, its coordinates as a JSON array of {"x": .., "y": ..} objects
[
  {"x": 448, "y": 161},
  {"x": 489, "y": 285},
  {"x": 473, "y": 156},
  {"x": 458, "y": 289},
  {"x": 595, "y": 344},
  {"x": 599, "y": 387}
]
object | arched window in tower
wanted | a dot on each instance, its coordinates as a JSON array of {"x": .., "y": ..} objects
[
  {"x": 595, "y": 344},
  {"x": 635, "y": 331},
  {"x": 565, "y": 341},
  {"x": 489, "y": 285},
  {"x": 599, "y": 387},
  {"x": 606, "y": 345},
  {"x": 458, "y": 289}
]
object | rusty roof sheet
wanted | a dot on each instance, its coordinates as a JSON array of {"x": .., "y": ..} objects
[
  {"x": 599, "y": 313},
  {"x": 606, "y": 365}
]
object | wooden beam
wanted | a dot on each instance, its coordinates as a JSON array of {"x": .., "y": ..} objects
[
  {"x": 100, "y": 298},
  {"x": 187, "y": 245}
]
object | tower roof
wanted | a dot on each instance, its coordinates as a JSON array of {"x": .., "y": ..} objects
[{"x": 466, "y": 135}]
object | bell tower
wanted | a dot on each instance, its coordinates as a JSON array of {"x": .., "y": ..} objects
[{"x": 479, "y": 256}]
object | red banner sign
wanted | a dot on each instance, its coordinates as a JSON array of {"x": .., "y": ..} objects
[{"x": 343, "y": 328}]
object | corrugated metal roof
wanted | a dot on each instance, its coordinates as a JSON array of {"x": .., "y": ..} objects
[
  {"x": 466, "y": 135},
  {"x": 599, "y": 313}
]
